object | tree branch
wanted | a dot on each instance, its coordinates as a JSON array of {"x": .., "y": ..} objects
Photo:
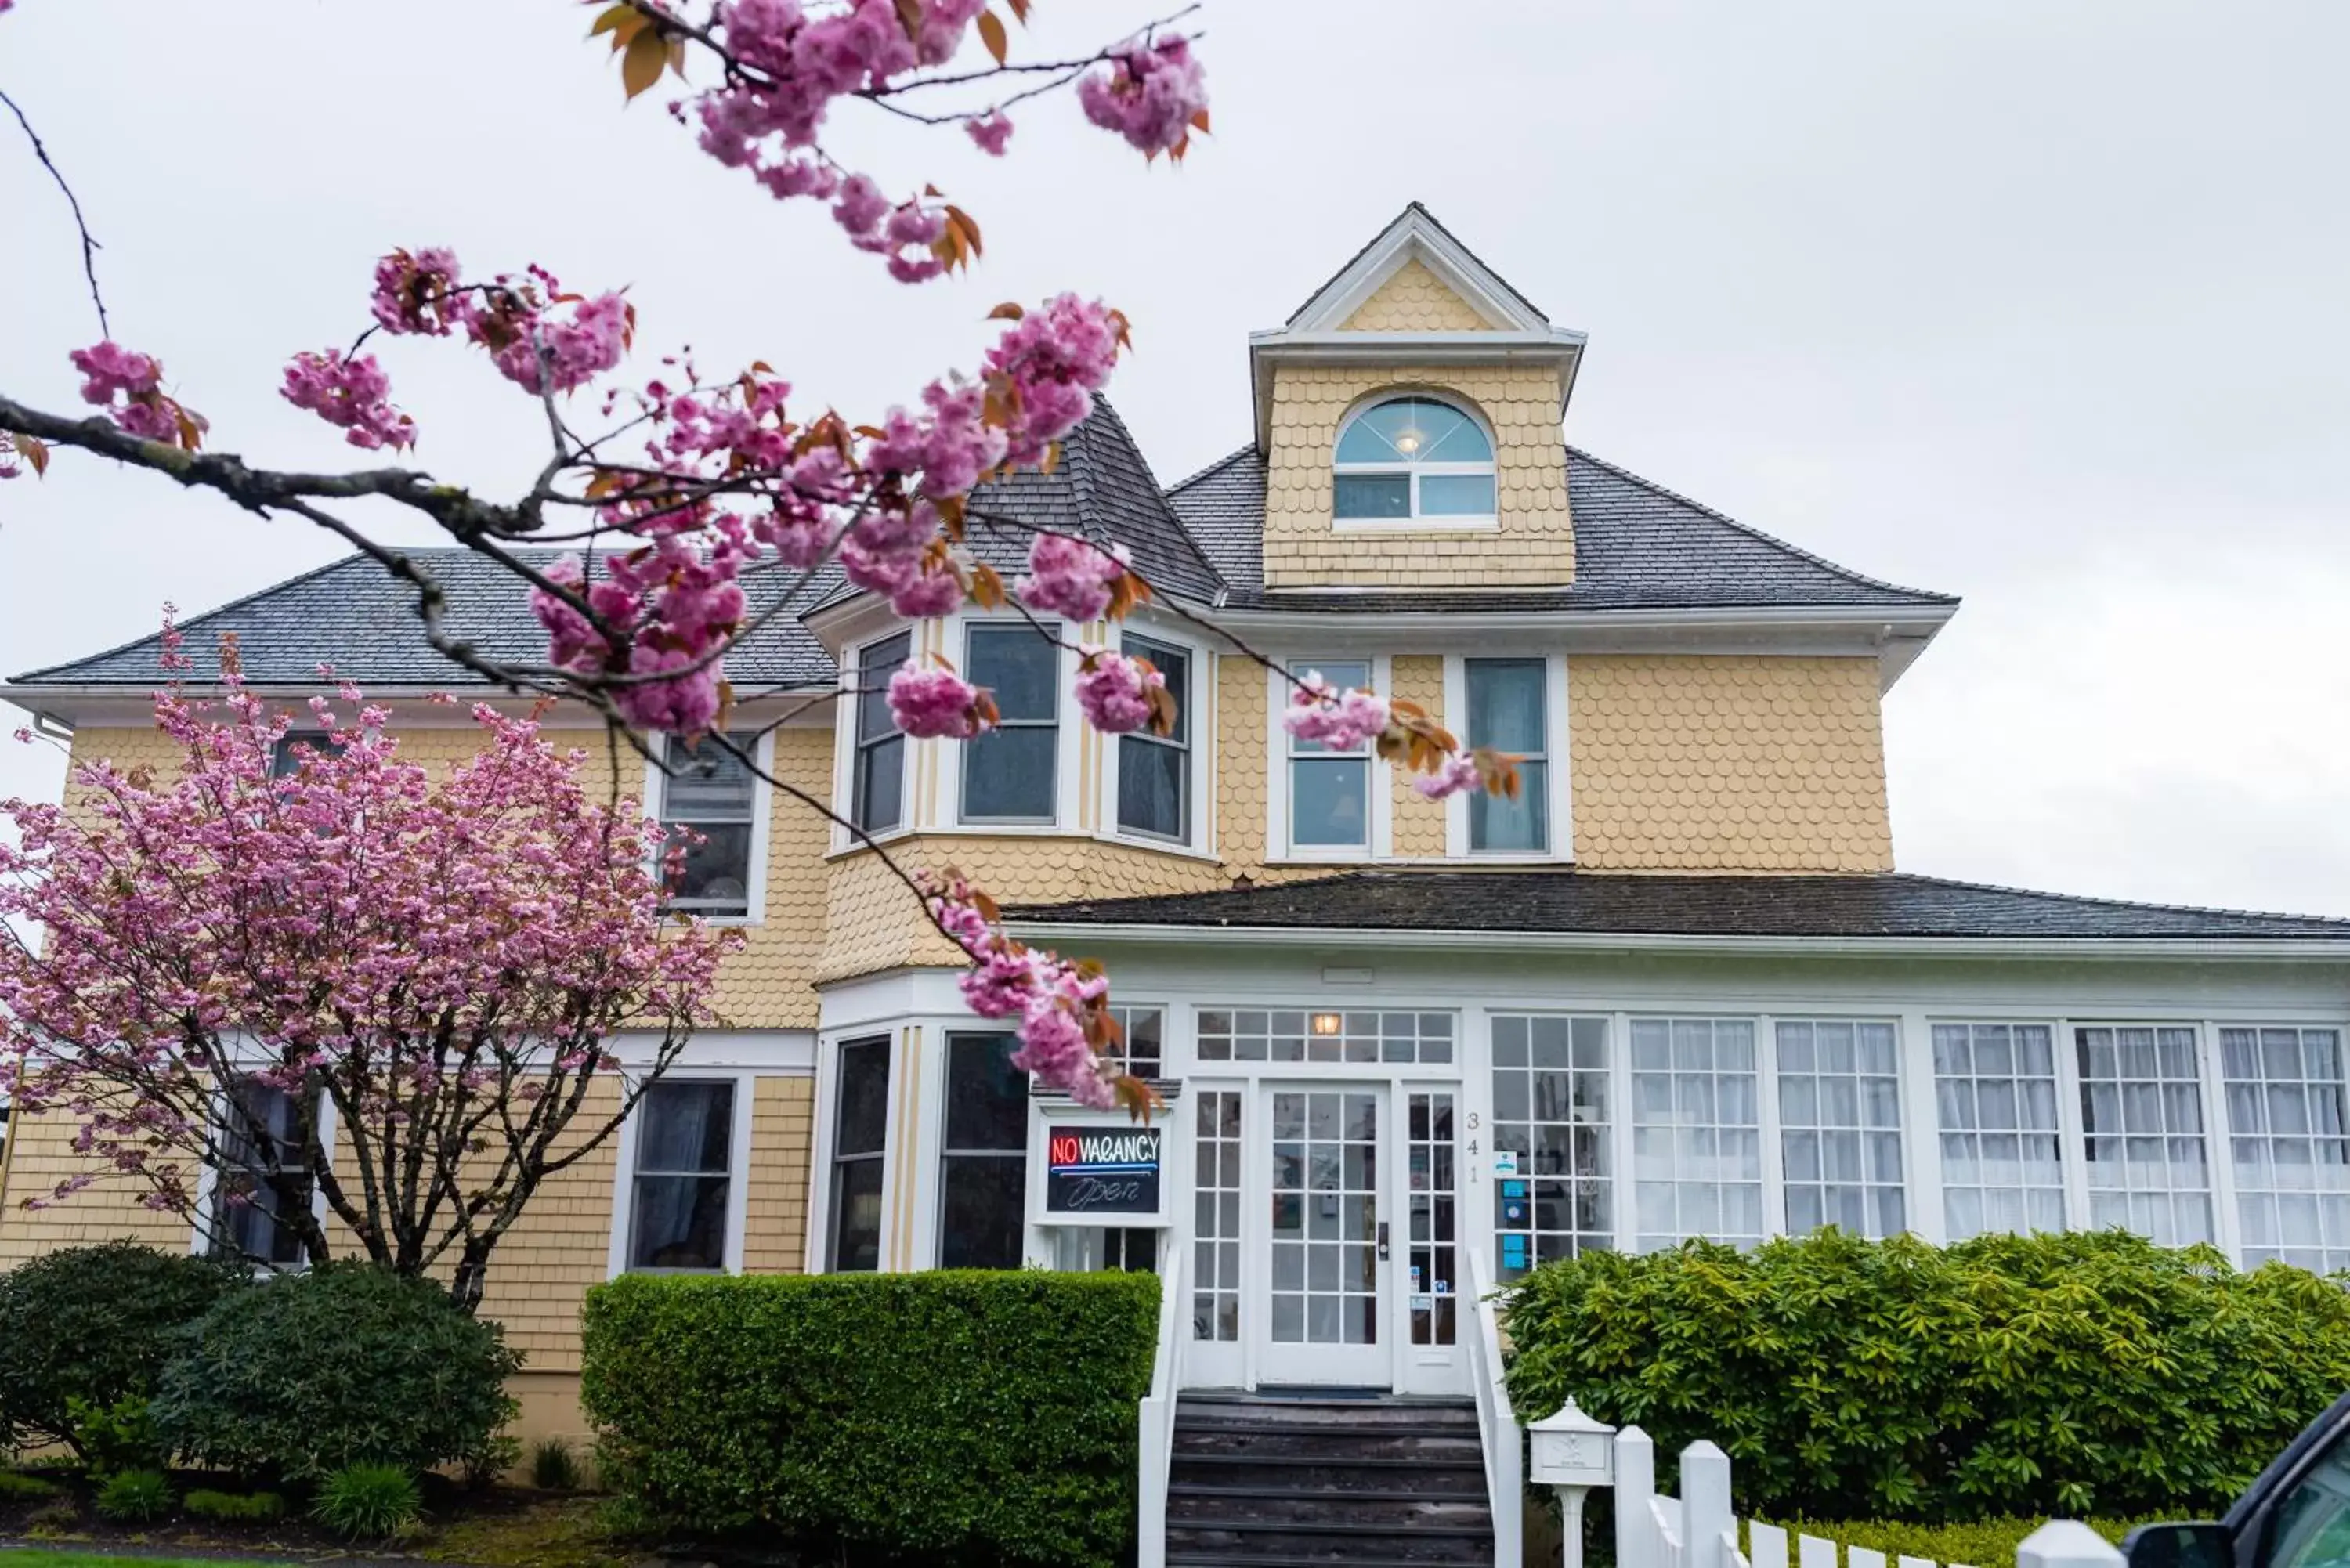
[{"x": 90, "y": 245}]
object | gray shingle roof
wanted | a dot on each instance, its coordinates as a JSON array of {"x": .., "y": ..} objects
[
  {"x": 1599, "y": 903},
  {"x": 1638, "y": 545},
  {"x": 353, "y": 615}
]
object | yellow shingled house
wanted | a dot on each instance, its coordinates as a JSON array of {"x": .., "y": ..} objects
[{"x": 1678, "y": 988}]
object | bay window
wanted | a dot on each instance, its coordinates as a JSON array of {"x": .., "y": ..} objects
[
  {"x": 709, "y": 805},
  {"x": 1508, "y": 710},
  {"x": 1009, "y": 773},
  {"x": 859, "y": 1139},
  {"x": 984, "y": 1166},
  {"x": 1330, "y": 790},
  {"x": 1154, "y": 771},
  {"x": 876, "y": 783},
  {"x": 681, "y": 1185}
]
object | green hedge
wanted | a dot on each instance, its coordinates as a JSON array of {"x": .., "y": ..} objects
[
  {"x": 1989, "y": 1543},
  {"x": 989, "y": 1416},
  {"x": 2006, "y": 1375},
  {"x": 89, "y": 1327}
]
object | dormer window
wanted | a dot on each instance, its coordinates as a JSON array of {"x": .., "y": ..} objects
[{"x": 1404, "y": 458}]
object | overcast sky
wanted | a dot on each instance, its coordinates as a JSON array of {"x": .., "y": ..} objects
[{"x": 2044, "y": 306}]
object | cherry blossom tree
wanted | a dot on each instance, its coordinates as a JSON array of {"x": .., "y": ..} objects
[
  {"x": 430, "y": 971},
  {"x": 681, "y": 484}
]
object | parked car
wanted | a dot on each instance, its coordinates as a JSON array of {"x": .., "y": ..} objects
[{"x": 2296, "y": 1515}]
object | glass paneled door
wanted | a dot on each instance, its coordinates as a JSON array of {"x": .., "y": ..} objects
[{"x": 1329, "y": 1309}]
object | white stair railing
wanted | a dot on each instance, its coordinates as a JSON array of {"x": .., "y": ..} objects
[
  {"x": 1497, "y": 1423},
  {"x": 1156, "y": 1413}
]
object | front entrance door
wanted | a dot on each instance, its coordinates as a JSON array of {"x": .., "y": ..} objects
[{"x": 1330, "y": 1284}]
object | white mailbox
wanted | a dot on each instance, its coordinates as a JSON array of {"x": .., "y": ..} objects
[
  {"x": 1573, "y": 1453},
  {"x": 1570, "y": 1449}
]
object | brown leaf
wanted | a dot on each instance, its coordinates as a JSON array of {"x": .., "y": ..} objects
[
  {"x": 987, "y": 587},
  {"x": 959, "y": 219},
  {"x": 1199, "y": 122},
  {"x": 642, "y": 66},
  {"x": 910, "y": 17},
  {"x": 623, "y": 19},
  {"x": 1052, "y": 459},
  {"x": 991, "y": 33},
  {"x": 985, "y": 709},
  {"x": 36, "y": 453},
  {"x": 1007, "y": 311},
  {"x": 1019, "y": 10},
  {"x": 985, "y": 905}
]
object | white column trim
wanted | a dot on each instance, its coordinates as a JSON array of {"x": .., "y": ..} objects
[
  {"x": 1773, "y": 1164},
  {"x": 1922, "y": 1117},
  {"x": 2072, "y": 1143},
  {"x": 2218, "y": 1150}
]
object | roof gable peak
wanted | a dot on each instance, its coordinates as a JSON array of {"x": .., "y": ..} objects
[{"x": 1415, "y": 236}]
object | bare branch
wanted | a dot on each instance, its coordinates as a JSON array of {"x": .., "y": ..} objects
[{"x": 90, "y": 245}]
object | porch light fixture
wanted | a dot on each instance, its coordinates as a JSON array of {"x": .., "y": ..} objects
[{"x": 1325, "y": 1023}]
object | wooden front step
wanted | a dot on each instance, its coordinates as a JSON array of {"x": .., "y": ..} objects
[{"x": 1262, "y": 1482}]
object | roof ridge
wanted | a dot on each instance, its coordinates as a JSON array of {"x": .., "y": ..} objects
[
  {"x": 1747, "y": 528},
  {"x": 337, "y": 564},
  {"x": 1116, "y": 427},
  {"x": 1248, "y": 450},
  {"x": 2117, "y": 903}
]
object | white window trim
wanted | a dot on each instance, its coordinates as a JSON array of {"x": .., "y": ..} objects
[
  {"x": 1199, "y": 776},
  {"x": 1559, "y": 756},
  {"x": 1418, "y": 522},
  {"x": 1380, "y": 829},
  {"x": 763, "y": 811},
  {"x": 200, "y": 1230},
  {"x": 843, "y": 749},
  {"x": 738, "y": 1171},
  {"x": 826, "y": 1121},
  {"x": 1066, "y": 758},
  {"x": 929, "y": 1207}
]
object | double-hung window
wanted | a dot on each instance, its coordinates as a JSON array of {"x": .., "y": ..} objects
[
  {"x": 876, "y": 786},
  {"x": 2142, "y": 1128},
  {"x": 683, "y": 1178},
  {"x": 1330, "y": 791},
  {"x": 1697, "y": 1131},
  {"x": 263, "y": 1179},
  {"x": 286, "y": 757},
  {"x": 1508, "y": 712},
  {"x": 1145, "y": 1030},
  {"x": 1009, "y": 773},
  {"x": 1840, "y": 1127},
  {"x": 1995, "y": 1101},
  {"x": 2290, "y": 1144},
  {"x": 709, "y": 806},
  {"x": 859, "y": 1139},
  {"x": 983, "y": 1166},
  {"x": 1154, "y": 771}
]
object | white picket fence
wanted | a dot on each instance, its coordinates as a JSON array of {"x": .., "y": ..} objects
[{"x": 1700, "y": 1530}]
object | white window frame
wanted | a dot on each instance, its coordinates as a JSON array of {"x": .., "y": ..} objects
[
  {"x": 763, "y": 811},
  {"x": 1418, "y": 522},
  {"x": 1378, "y": 787},
  {"x": 2120, "y": 1184},
  {"x": 2274, "y": 1192},
  {"x": 200, "y": 1237},
  {"x": 939, "y": 1152},
  {"x": 738, "y": 1171},
  {"x": 1064, "y": 783},
  {"x": 826, "y": 1151},
  {"x": 1198, "y": 778},
  {"x": 1557, "y": 755},
  {"x": 845, "y": 746},
  {"x": 1819, "y": 1126}
]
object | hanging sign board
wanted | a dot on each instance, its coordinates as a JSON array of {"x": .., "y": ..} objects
[{"x": 1101, "y": 1171}]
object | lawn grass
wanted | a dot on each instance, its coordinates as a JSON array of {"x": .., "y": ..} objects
[{"x": 99, "y": 1560}]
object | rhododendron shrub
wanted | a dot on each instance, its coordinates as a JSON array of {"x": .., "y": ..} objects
[
  {"x": 435, "y": 964},
  {"x": 680, "y": 481}
]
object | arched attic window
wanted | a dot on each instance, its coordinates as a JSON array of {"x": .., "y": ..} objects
[{"x": 1409, "y": 457}]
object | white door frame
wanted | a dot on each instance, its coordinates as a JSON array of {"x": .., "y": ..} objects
[{"x": 1293, "y": 1360}]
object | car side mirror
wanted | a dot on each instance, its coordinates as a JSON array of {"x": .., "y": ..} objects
[{"x": 2199, "y": 1544}]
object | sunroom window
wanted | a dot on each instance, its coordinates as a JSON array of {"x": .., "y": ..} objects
[{"x": 1412, "y": 457}]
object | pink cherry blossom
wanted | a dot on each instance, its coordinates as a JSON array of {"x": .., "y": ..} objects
[
  {"x": 577, "y": 346},
  {"x": 935, "y": 701},
  {"x": 1054, "y": 360},
  {"x": 1068, "y": 576},
  {"x": 1062, "y": 1007},
  {"x": 1149, "y": 95},
  {"x": 110, "y": 371},
  {"x": 353, "y": 394},
  {"x": 1114, "y": 692},
  {"x": 413, "y": 943},
  {"x": 991, "y": 131},
  {"x": 417, "y": 292},
  {"x": 1457, "y": 773},
  {"x": 9, "y": 466},
  {"x": 1340, "y": 721},
  {"x": 932, "y": 593}
]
